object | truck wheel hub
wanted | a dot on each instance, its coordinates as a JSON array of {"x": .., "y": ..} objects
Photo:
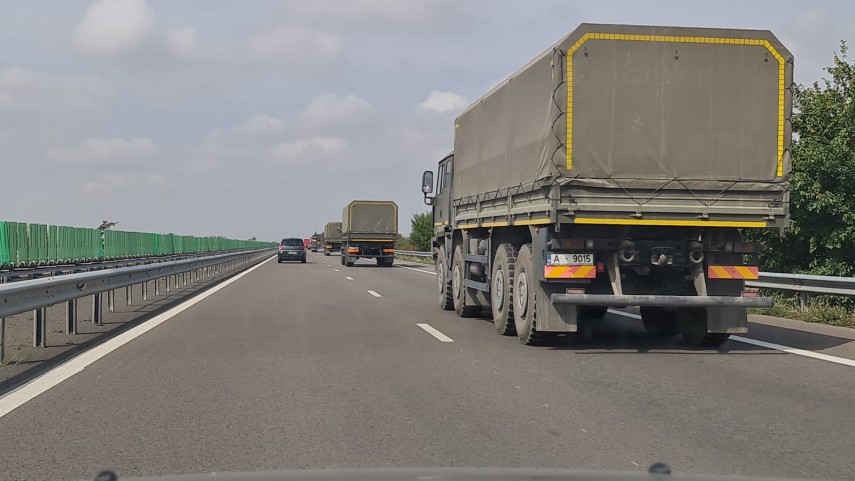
[
  {"x": 455, "y": 280},
  {"x": 521, "y": 293},
  {"x": 499, "y": 289}
]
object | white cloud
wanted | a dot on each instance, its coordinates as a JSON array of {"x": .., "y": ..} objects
[
  {"x": 107, "y": 183},
  {"x": 329, "y": 110},
  {"x": 35, "y": 104},
  {"x": 113, "y": 27},
  {"x": 307, "y": 150},
  {"x": 295, "y": 44},
  {"x": 443, "y": 101},
  {"x": 422, "y": 15},
  {"x": 262, "y": 124},
  {"x": 95, "y": 150},
  {"x": 182, "y": 42}
]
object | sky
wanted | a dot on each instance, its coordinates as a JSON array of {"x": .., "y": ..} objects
[{"x": 265, "y": 118}]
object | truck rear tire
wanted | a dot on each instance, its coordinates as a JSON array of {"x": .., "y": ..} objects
[
  {"x": 446, "y": 300},
  {"x": 458, "y": 289},
  {"x": 693, "y": 328},
  {"x": 660, "y": 322},
  {"x": 525, "y": 305},
  {"x": 502, "y": 289}
]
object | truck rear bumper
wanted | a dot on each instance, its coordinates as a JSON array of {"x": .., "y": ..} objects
[{"x": 611, "y": 300}]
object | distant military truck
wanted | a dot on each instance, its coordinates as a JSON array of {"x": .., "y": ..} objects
[
  {"x": 369, "y": 229},
  {"x": 332, "y": 238},
  {"x": 315, "y": 242}
]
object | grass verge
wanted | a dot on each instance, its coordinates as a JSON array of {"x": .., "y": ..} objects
[{"x": 834, "y": 311}]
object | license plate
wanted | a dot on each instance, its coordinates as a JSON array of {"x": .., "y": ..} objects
[{"x": 570, "y": 259}]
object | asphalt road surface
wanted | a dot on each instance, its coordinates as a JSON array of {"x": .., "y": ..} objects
[{"x": 318, "y": 366}]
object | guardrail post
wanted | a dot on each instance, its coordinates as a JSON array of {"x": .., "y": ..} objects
[
  {"x": 168, "y": 283},
  {"x": 184, "y": 279},
  {"x": 39, "y": 326},
  {"x": 111, "y": 300},
  {"x": 96, "y": 309},
  {"x": 129, "y": 296},
  {"x": 803, "y": 300},
  {"x": 144, "y": 288},
  {"x": 2, "y": 337},
  {"x": 157, "y": 286},
  {"x": 71, "y": 317}
]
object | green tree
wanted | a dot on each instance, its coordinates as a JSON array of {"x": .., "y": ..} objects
[
  {"x": 821, "y": 237},
  {"x": 422, "y": 231}
]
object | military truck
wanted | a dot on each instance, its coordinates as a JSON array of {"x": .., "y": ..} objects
[
  {"x": 622, "y": 167},
  {"x": 332, "y": 237},
  {"x": 315, "y": 242},
  {"x": 368, "y": 230}
]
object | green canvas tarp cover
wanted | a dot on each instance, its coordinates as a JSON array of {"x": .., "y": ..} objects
[
  {"x": 635, "y": 107},
  {"x": 370, "y": 217},
  {"x": 332, "y": 231}
]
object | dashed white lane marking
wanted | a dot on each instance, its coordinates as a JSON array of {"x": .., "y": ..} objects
[
  {"x": 338, "y": 270},
  {"x": 28, "y": 391},
  {"x": 769, "y": 345},
  {"x": 417, "y": 270},
  {"x": 433, "y": 332},
  {"x": 348, "y": 278},
  {"x": 374, "y": 294}
]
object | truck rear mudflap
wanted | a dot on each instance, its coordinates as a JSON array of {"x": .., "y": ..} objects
[{"x": 611, "y": 300}]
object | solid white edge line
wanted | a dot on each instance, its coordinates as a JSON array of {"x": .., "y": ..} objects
[
  {"x": 417, "y": 270},
  {"x": 624, "y": 314},
  {"x": 348, "y": 278},
  {"x": 374, "y": 294},
  {"x": 435, "y": 333},
  {"x": 55, "y": 376},
  {"x": 796, "y": 351},
  {"x": 769, "y": 345}
]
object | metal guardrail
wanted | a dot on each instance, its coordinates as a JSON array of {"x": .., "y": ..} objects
[
  {"x": 804, "y": 284},
  {"x": 37, "y": 294}
]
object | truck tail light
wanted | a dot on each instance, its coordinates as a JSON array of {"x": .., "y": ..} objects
[
  {"x": 388, "y": 251},
  {"x": 573, "y": 244},
  {"x": 601, "y": 267},
  {"x": 751, "y": 293},
  {"x": 745, "y": 247},
  {"x": 353, "y": 250}
]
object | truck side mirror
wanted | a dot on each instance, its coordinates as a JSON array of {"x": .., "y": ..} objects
[
  {"x": 428, "y": 200},
  {"x": 427, "y": 182}
]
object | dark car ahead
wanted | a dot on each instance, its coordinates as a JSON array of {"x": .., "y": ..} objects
[{"x": 292, "y": 250}]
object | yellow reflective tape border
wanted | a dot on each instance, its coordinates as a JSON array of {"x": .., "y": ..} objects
[
  {"x": 670, "y": 222},
  {"x": 467, "y": 226},
  {"x": 670, "y": 38},
  {"x": 437, "y": 224},
  {"x": 532, "y": 222},
  {"x": 501, "y": 223}
]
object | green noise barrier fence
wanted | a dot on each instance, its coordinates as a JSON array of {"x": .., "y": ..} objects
[{"x": 23, "y": 245}]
